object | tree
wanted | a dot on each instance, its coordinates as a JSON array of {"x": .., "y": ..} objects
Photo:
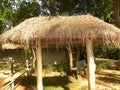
[
  {"x": 26, "y": 10},
  {"x": 6, "y": 14},
  {"x": 102, "y": 9},
  {"x": 116, "y": 4},
  {"x": 65, "y": 7}
]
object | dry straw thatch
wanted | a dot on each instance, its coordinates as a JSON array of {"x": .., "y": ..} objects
[{"x": 62, "y": 30}]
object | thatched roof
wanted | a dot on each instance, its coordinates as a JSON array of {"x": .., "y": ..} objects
[{"x": 62, "y": 30}]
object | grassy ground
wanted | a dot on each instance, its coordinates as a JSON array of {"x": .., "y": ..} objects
[{"x": 107, "y": 78}]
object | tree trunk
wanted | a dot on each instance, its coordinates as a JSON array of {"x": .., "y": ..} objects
[
  {"x": 91, "y": 64},
  {"x": 117, "y": 19},
  {"x": 116, "y": 12},
  {"x": 39, "y": 67}
]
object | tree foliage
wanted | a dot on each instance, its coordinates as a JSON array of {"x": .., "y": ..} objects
[
  {"x": 6, "y": 14},
  {"x": 15, "y": 11},
  {"x": 65, "y": 7},
  {"x": 26, "y": 10},
  {"x": 102, "y": 9}
]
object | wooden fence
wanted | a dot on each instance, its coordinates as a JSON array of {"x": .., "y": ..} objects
[{"x": 11, "y": 84}]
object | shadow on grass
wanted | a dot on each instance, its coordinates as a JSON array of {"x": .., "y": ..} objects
[
  {"x": 110, "y": 80},
  {"x": 30, "y": 82},
  {"x": 57, "y": 81},
  {"x": 110, "y": 75}
]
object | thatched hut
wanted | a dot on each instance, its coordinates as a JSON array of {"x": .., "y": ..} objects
[{"x": 71, "y": 30}]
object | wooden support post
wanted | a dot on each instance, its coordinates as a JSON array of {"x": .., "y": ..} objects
[
  {"x": 39, "y": 66},
  {"x": 27, "y": 67},
  {"x": 70, "y": 56},
  {"x": 34, "y": 57},
  {"x": 12, "y": 66},
  {"x": 91, "y": 64},
  {"x": 12, "y": 72},
  {"x": 12, "y": 84}
]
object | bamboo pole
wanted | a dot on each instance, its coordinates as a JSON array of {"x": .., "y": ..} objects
[
  {"x": 91, "y": 64},
  {"x": 39, "y": 67}
]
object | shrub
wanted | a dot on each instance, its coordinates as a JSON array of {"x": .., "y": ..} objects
[
  {"x": 62, "y": 68},
  {"x": 103, "y": 64},
  {"x": 106, "y": 51}
]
